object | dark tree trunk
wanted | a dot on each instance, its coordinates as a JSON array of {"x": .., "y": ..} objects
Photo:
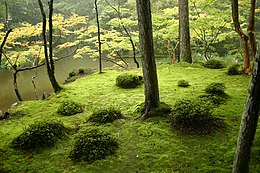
[
  {"x": 49, "y": 57},
  {"x": 148, "y": 59},
  {"x": 3, "y": 44},
  {"x": 249, "y": 122},
  {"x": 16, "y": 90},
  {"x": 51, "y": 71},
  {"x": 99, "y": 39},
  {"x": 184, "y": 29}
]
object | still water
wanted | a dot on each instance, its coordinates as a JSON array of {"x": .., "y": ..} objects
[{"x": 24, "y": 79}]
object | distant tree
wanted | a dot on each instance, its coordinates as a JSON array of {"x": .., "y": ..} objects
[
  {"x": 246, "y": 40},
  {"x": 249, "y": 121},
  {"x": 185, "y": 50},
  {"x": 48, "y": 48},
  {"x": 148, "y": 58}
]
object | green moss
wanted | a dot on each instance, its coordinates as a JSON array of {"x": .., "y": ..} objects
[{"x": 149, "y": 146}]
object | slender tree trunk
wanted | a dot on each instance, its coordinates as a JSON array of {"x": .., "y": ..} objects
[
  {"x": 249, "y": 122},
  {"x": 148, "y": 59},
  {"x": 99, "y": 39},
  {"x": 51, "y": 72},
  {"x": 3, "y": 44},
  {"x": 49, "y": 56},
  {"x": 244, "y": 38},
  {"x": 251, "y": 28},
  {"x": 16, "y": 90},
  {"x": 185, "y": 50}
]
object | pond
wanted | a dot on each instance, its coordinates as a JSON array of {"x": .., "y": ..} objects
[{"x": 24, "y": 79}]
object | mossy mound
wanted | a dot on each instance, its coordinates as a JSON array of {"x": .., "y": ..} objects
[
  {"x": 103, "y": 116},
  {"x": 183, "y": 83},
  {"x": 40, "y": 134},
  {"x": 214, "y": 64},
  {"x": 93, "y": 144},
  {"x": 69, "y": 108},
  {"x": 194, "y": 116},
  {"x": 128, "y": 81}
]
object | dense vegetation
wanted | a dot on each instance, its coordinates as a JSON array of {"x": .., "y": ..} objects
[{"x": 149, "y": 146}]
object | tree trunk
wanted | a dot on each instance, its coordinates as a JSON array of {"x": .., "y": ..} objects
[
  {"x": 249, "y": 122},
  {"x": 251, "y": 28},
  {"x": 185, "y": 50},
  {"x": 99, "y": 39},
  {"x": 3, "y": 43},
  {"x": 244, "y": 38},
  {"x": 51, "y": 71},
  {"x": 151, "y": 90},
  {"x": 16, "y": 90},
  {"x": 49, "y": 57}
]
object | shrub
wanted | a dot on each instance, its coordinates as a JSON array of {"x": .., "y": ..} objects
[
  {"x": 215, "y": 99},
  {"x": 214, "y": 64},
  {"x": 128, "y": 80},
  {"x": 183, "y": 83},
  {"x": 192, "y": 112},
  {"x": 103, "y": 116},
  {"x": 234, "y": 69},
  {"x": 40, "y": 134},
  {"x": 69, "y": 108},
  {"x": 162, "y": 111},
  {"x": 72, "y": 73},
  {"x": 81, "y": 71},
  {"x": 215, "y": 88},
  {"x": 93, "y": 144}
]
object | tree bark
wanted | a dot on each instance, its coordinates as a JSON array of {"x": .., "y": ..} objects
[
  {"x": 151, "y": 89},
  {"x": 185, "y": 50},
  {"x": 244, "y": 38},
  {"x": 3, "y": 44},
  {"x": 251, "y": 28},
  {"x": 16, "y": 90},
  {"x": 99, "y": 39},
  {"x": 49, "y": 56},
  {"x": 249, "y": 122}
]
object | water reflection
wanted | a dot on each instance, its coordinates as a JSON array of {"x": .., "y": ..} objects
[{"x": 63, "y": 67}]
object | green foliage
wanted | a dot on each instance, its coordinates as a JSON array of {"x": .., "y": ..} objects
[
  {"x": 189, "y": 112},
  {"x": 128, "y": 80},
  {"x": 103, "y": 116},
  {"x": 93, "y": 144},
  {"x": 234, "y": 69},
  {"x": 40, "y": 134},
  {"x": 183, "y": 83},
  {"x": 68, "y": 108},
  {"x": 72, "y": 73},
  {"x": 81, "y": 71},
  {"x": 216, "y": 100},
  {"x": 215, "y": 88},
  {"x": 214, "y": 64}
]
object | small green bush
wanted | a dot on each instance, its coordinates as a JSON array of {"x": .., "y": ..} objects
[
  {"x": 214, "y": 64},
  {"x": 128, "y": 80},
  {"x": 40, "y": 134},
  {"x": 216, "y": 100},
  {"x": 215, "y": 88},
  {"x": 183, "y": 83},
  {"x": 188, "y": 112},
  {"x": 81, "y": 71},
  {"x": 103, "y": 116},
  {"x": 72, "y": 73},
  {"x": 93, "y": 144},
  {"x": 69, "y": 108},
  {"x": 234, "y": 69}
]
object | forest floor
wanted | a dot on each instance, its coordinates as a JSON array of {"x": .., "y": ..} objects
[{"x": 149, "y": 146}]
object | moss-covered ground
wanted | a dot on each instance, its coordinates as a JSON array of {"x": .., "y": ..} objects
[{"x": 149, "y": 146}]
